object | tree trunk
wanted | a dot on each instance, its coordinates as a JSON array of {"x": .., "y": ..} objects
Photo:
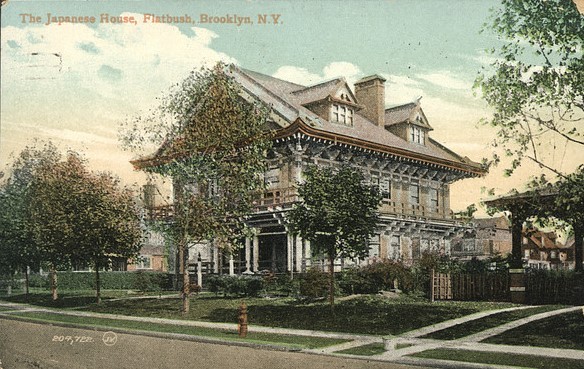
[
  {"x": 26, "y": 281},
  {"x": 332, "y": 281},
  {"x": 185, "y": 273},
  {"x": 97, "y": 283},
  {"x": 53, "y": 272}
]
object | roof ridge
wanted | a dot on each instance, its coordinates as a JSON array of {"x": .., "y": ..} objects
[
  {"x": 249, "y": 71},
  {"x": 306, "y": 88}
]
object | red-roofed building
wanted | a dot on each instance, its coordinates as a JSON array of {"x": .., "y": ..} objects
[{"x": 542, "y": 250}]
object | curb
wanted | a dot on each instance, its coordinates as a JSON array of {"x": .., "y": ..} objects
[{"x": 165, "y": 335}]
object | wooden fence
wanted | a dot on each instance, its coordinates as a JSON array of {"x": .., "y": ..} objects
[
  {"x": 491, "y": 286},
  {"x": 550, "y": 287}
]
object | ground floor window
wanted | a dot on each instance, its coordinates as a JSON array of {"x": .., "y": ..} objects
[
  {"x": 144, "y": 262},
  {"x": 395, "y": 248}
]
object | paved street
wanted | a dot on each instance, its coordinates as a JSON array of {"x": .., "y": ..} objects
[{"x": 27, "y": 345}]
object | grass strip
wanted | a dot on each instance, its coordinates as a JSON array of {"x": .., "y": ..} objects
[
  {"x": 487, "y": 322},
  {"x": 496, "y": 358},
  {"x": 365, "y": 315},
  {"x": 365, "y": 350},
  {"x": 257, "y": 337},
  {"x": 564, "y": 331}
]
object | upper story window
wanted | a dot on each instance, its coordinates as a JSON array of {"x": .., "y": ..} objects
[
  {"x": 384, "y": 186},
  {"x": 342, "y": 114},
  {"x": 433, "y": 195},
  {"x": 417, "y": 135},
  {"x": 414, "y": 194}
]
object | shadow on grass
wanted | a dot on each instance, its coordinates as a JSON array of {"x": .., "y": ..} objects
[
  {"x": 362, "y": 317},
  {"x": 564, "y": 331}
]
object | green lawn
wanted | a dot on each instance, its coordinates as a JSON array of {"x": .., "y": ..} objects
[
  {"x": 564, "y": 331},
  {"x": 494, "y": 358},
  {"x": 365, "y": 350},
  {"x": 491, "y": 321},
  {"x": 264, "y": 338},
  {"x": 366, "y": 315},
  {"x": 68, "y": 298}
]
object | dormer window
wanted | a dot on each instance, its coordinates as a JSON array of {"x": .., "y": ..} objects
[
  {"x": 417, "y": 135},
  {"x": 342, "y": 114}
]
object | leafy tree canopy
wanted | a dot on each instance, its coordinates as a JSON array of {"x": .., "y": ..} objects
[
  {"x": 17, "y": 246},
  {"x": 536, "y": 84},
  {"x": 82, "y": 217},
  {"x": 212, "y": 142},
  {"x": 338, "y": 212}
]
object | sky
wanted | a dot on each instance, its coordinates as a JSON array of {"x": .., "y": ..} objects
[{"x": 76, "y": 83}]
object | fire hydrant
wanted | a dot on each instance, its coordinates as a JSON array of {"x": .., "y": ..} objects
[{"x": 242, "y": 325}]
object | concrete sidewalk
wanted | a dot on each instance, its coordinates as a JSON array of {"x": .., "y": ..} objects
[{"x": 396, "y": 355}]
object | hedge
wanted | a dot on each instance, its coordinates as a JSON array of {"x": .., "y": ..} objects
[{"x": 140, "y": 280}]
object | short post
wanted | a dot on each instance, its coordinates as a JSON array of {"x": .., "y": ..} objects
[
  {"x": 517, "y": 282},
  {"x": 199, "y": 271},
  {"x": 242, "y": 324},
  {"x": 432, "y": 286}
]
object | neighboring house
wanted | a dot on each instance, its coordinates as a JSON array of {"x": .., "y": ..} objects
[
  {"x": 542, "y": 250},
  {"x": 492, "y": 236},
  {"x": 328, "y": 124},
  {"x": 152, "y": 256},
  {"x": 489, "y": 237}
]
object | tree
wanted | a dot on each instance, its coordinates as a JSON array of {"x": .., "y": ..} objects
[
  {"x": 536, "y": 84},
  {"x": 338, "y": 214},
  {"x": 212, "y": 143},
  {"x": 569, "y": 207},
  {"x": 17, "y": 247},
  {"x": 536, "y": 88},
  {"x": 82, "y": 217}
]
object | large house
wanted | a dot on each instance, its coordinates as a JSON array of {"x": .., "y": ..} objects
[
  {"x": 331, "y": 123},
  {"x": 488, "y": 238}
]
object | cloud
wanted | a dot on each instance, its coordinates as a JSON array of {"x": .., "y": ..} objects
[
  {"x": 74, "y": 84},
  {"x": 132, "y": 63},
  {"x": 401, "y": 89},
  {"x": 446, "y": 79},
  {"x": 304, "y": 77}
]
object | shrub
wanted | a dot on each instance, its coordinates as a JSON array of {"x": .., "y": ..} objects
[
  {"x": 314, "y": 284},
  {"x": 355, "y": 281},
  {"x": 235, "y": 285},
  {"x": 373, "y": 278},
  {"x": 140, "y": 280},
  {"x": 38, "y": 281},
  {"x": 215, "y": 284}
]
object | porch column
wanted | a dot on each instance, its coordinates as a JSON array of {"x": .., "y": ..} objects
[
  {"x": 307, "y": 253},
  {"x": 256, "y": 253},
  {"x": 231, "y": 267},
  {"x": 215, "y": 258},
  {"x": 298, "y": 254},
  {"x": 199, "y": 271},
  {"x": 290, "y": 252},
  {"x": 247, "y": 254}
]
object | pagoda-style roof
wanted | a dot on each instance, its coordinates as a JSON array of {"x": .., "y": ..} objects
[{"x": 290, "y": 115}]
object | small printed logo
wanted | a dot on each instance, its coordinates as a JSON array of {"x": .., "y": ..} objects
[{"x": 109, "y": 338}]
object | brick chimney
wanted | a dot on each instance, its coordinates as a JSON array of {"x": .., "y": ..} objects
[{"x": 370, "y": 93}]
